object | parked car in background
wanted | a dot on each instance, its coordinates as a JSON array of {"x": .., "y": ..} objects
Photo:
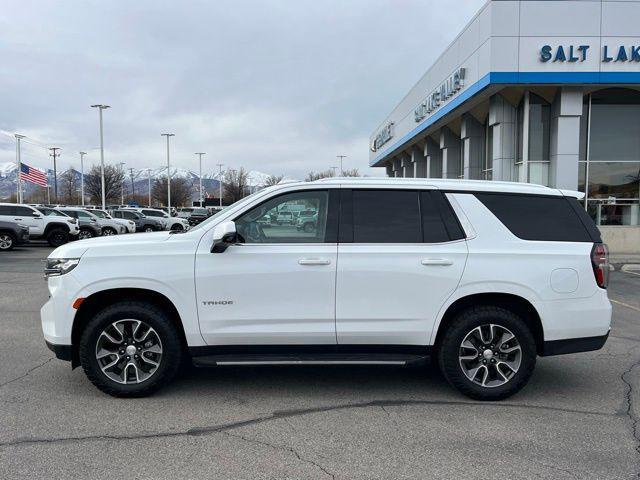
[
  {"x": 56, "y": 230},
  {"x": 169, "y": 223},
  {"x": 129, "y": 225},
  {"x": 307, "y": 221},
  {"x": 107, "y": 226},
  {"x": 12, "y": 234},
  {"x": 184, "y": 212},
  {"x": 198, "y": 215},
  {"x": 143, "y": 223},
  {"x": 285, "y": 217}
]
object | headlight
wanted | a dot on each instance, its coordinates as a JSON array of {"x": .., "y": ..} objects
[{"x": 60, "y": 266}]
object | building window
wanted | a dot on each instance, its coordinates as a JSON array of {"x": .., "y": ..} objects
[
  {"x": 539, "y": 133},
  {"x": 609, "y": 170},
  {"x": 487, "y": 169},
  {"x": 533, "y": 127}
]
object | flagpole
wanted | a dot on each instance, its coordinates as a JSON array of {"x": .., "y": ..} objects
[{"x": 19, "y": 162}]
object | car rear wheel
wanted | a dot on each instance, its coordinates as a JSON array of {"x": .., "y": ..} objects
[
  {"x": 7, "y": 242},
  {"x": 130, "y": 349},
  {"x": 147, "y": 228},
  {"x": 85, "y": 233},
  {"x": 57, "y": 237},
  {"x": 487, "y": 353},
  {"x": 109, "y": 231},
  {"x": 309, "y": 227}
]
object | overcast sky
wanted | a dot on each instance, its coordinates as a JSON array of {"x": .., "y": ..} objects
[{"x": 276, "y": 86}]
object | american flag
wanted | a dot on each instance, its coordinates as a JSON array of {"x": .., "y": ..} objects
[{"x": 33, "y": 175}]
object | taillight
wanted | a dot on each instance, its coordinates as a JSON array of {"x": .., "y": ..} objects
[{"x": 600, "y": 262}]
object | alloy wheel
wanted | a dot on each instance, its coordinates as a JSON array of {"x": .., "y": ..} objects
[
  {"x": 108, "y": 231},
  {"x": 84, "y": 234},
  {"x": 490, "y": 355},
  {"x": 6, "y": 242},
  {"x": 129, "y": 351}
]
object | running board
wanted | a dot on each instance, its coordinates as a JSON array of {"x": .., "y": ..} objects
[{"x": 307, "y": 359}]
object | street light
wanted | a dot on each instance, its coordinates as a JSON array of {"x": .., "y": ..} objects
[
  {"x": 149, "y": 175},
  {"x": 341, "y": 157},
  {"x": 168, "y": 172},
  {"x": 220, "y": 165},
  {"x": 121, "y": 183},
  {"x": 19, "y": 162},
  {"x": 100, "y": 109},
  {"x": 201, "y": 197},
  {"x": 82, "y": 154}
]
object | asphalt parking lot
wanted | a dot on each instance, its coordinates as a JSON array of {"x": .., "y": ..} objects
[{"x": 576, "y": 418}]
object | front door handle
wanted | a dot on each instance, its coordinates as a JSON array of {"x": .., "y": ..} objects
[
  {"x": 437, "y": 261},
  {"x": 17, "y": 219},
  {"x": 314, "y": 261}
]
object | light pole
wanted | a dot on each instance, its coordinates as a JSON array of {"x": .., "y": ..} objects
[
  {"x": 55, "y": 154},
  {"x": 149, "y": 178},
  {"x": 341, "y": 157},
  {"x": 121, "y": 183},
  {"x": 168, "y": 173},
  {"x": 82, "y": 154},
  {"x": 201, "y": 197},
  {"x": 100, "y": 109},
  {"x": 19, "y": 162},
  {"x": 220, "y": 165}
]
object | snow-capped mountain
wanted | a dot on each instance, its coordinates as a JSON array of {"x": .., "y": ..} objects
[{"x": 210, "y": 180}]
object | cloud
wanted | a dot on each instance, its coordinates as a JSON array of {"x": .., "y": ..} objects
[{"x": 277, "y": 86}]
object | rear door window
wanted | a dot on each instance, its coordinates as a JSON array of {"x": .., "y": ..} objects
[
  {"x": 537, "y": 217},
  {"x": 386, "y": 216}
]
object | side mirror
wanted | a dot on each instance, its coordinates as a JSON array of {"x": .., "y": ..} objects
[{"x": 223, "y": 236}]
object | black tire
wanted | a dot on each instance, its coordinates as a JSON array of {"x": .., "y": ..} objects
[
  {"x": 172, "y": 351},
  {"x": 86, "y": 233},
  {"x": 309, "y": 228},
  {"x": 177, "y": 227},
  {"x": 449, "y": 350},
  {"x": 109, "y": 231},
  {"x": 7, "y": 241},
  {"x": 57, "y": 237},
  {"x": 147, "y": 228}
]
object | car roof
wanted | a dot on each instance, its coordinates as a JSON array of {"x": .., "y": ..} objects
[{"x": 458, "y": 185}]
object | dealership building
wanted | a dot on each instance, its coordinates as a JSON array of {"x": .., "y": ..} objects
[{"x": 545, "y": 92}]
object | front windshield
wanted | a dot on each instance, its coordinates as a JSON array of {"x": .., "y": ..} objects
[
  {"x": 50, "y": 212},
  {"x": 100, "y": 214}
]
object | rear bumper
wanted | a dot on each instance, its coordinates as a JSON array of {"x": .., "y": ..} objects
[
  {"x": 62, "y": 352},
  {"x": 573, "y": 345}
]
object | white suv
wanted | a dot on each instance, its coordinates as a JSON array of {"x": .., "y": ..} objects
[
  {"x": 168, "y": 223},
  {"x": 482, "y": 276},
  {"x": 49, "y": 224}
]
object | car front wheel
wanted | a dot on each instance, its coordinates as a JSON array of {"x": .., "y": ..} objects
[
  {"x": 148, "y": 228},
  {"x": 57, "y": 237},
  {"x": 85, "y": 233},
  {"x": 109, "y": 231},
  {"x": 130, "y": 349},
  {"x": 487, "y": 353}
]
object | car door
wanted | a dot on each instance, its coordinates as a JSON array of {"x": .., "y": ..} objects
[
  {"x": 7, "y": 213},
  {"x": 277, "y": 286},
  {"x": 401, "y": 255},
  {"x": 30, "y": 217}
]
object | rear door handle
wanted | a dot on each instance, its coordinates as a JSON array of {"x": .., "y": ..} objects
[
  {"x": 17, "y": 219},
  {"x": 437, "y": 261},
  {"x": 314, "y": 261}
]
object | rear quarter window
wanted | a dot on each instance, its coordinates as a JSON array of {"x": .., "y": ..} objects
[{"x": 536, "y": 217}]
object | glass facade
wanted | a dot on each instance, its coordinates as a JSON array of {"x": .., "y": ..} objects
[
  {"x": 609, "y": 168},
  {"x": 533, "y": 116}
]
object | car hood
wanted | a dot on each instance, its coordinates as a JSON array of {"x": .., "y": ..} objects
[{"x": 79, "y": 248}]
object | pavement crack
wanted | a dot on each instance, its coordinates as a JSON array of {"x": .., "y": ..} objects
[
  {"x": 284, "y": 449},
  {"x": 285, "y": 414},
  {"x": 28, "y": 372},
  {"x": 629, "y": 412}
]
